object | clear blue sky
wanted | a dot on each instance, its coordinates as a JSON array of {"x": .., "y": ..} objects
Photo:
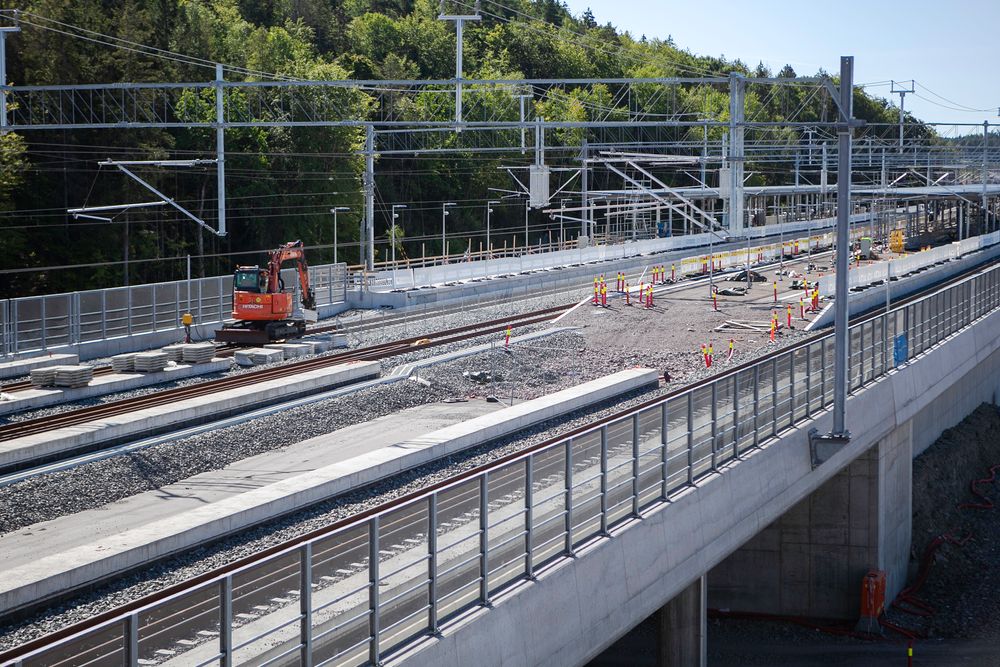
[{"x": 947, "y": 47}]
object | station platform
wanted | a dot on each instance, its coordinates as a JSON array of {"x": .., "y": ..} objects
[{"x": 95, "y": 544}]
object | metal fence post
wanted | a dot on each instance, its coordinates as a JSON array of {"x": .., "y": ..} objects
[
  {"x": 221, "y": 300},
  {"x": 484, "y": 541},
  {"x": 569, "y": 497},
  {"x": 664, "y": 454},
  {"x": 432, "y": 620},
  {"x": 774, "y": 397},
  {"x": 226, "y": 623},
  {"x": 756, "y": 403},
  {"x": 529, "y": 490},
  {"x": 43, "y": 323},
  {"x": 604, "y": 480},
  {"x": 736, "y": 416},
  {"x": 690, "y": 438},
  {"x": 132, "y": 639},
  {"x": 715, "y": 424},
  {"x": 373, "y": 582},
  {"x": 14, "y": 327},
  {"x": 635, "y": 464},
  {"x": 305, "y": 604}
]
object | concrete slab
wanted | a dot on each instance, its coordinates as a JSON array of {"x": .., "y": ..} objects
[
  {"x": 20, "y": 367},
  {"x": 103, "y": 385},
  {"x": 188, "y": 411},
  {"x": 214, "y": 504}
]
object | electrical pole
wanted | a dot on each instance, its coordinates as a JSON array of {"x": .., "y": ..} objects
[
  {"x": 3, "y": 73},
  {"x": 841, "y": 314},
  {"x": 220, "y": 149},
  {"x": 368, "y": 226},
  {"x": 459, "y": 20},
  {"x": 737, "y": 90},
  {"x": 822, "y": 447},
  {"x": 898, "y": 88},
  {"x": 986, "y": 144}
]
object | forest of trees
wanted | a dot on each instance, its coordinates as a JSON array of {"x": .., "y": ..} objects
[{"x": 281, "y": 182}]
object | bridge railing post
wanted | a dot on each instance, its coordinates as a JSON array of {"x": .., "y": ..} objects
[
  {"x": 664, "y": 452},
  {"x": 635, "y": 466},
  {"x": 529, "y": 540},
  {"x": 604, "y": 479},
  {"x": 373, "y": 584},
  {"x": 226, "y": 622},
  {"x": 690, "y": 439},
  {"x": 305, "y": 604},
  {"x": 569, "y": 496},
  {"x": 432, "y": 611},
  {"x": 484, "y": 541}
]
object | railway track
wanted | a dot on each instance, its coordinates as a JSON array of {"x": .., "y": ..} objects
[
  {"x": 347, "y": 551},
  {"x": 370, "y": 353}
]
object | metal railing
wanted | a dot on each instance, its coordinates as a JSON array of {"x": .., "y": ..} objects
[
  {"x": 868, "y": 274},
  {"x": 362, "y": 590},
  {"x": 39, "y": 323}
]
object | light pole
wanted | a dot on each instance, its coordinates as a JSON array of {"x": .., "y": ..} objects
[
  {"x": 527, "y": 207},
  {"x": 489, "y": 209},
  {"x": 444, "y": 243},
  {"x": 562, "y": 217},
  {"x": 392, "y": 241},
  {"x": 335, "y": 210}
]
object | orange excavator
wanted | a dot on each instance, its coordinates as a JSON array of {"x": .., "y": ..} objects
[{"x": 263, "y": 307}]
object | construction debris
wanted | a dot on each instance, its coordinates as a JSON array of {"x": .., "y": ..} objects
[
  {"x": 757, "y": 326},
  {"x": 741, "y": 277}
]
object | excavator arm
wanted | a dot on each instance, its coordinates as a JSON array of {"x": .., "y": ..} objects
[{"x": 293, "y": 250}]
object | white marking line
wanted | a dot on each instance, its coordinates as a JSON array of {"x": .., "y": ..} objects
[{"x": 585, "y": 300}]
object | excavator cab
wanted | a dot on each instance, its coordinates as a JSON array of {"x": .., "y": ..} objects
[{"x": 250, "y": 279}]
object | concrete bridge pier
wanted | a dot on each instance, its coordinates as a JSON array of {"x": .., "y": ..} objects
[
  {"x": 810, "y": 562},
  {"x": 682, "y": 629}
]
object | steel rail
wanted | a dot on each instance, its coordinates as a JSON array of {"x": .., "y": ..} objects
[{"x": 374, "y": 352}]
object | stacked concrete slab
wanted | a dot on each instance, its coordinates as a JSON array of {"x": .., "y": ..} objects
[
  {"x": 150, "y": 362},
  {"x": 256, "y": 356},
  {"x": 43, "y": 377},
  {"x": 292, "y": 350},
  {"x": 174, "y": 352},
  {"x": 73, "y": 376},
  {"x": 123, "y": 363},
  {"x": 198, "y": 353}
]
